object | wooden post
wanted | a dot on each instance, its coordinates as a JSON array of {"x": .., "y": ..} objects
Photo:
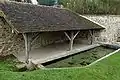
[
  {"x": 91, "y": 34},
  {"x": 71, "y": 38},
  {"x": 27, "y": 47},
  {"x": 71, "y": 41}
]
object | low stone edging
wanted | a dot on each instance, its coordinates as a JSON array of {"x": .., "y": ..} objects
[{"x": 114, "y": 46}]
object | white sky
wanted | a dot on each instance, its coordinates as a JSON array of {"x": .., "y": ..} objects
[{"x": 34, "y": 1}]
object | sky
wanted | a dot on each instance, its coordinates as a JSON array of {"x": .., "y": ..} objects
[{"x": 34, "y": 1}]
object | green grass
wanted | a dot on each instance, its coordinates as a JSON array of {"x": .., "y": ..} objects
[{"x": 108, "y": 69}]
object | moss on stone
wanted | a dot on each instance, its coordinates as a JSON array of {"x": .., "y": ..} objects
[{"x": 2, "y": 14}]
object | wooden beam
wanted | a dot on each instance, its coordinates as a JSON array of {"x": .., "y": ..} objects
[
  {"x": 27, "y": 46},
  {"x": 35, "y": 38},
  {"x": 71, "y": 41},
  {"x": 71, "y": 38},
  {"x": 67, "y": 35},
  {"x": 76, "y": 35}
]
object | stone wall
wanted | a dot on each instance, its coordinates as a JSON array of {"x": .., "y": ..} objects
[
  {"x": 118, "y": 39},
  {"x": 111, "y": 24},
  {"x": 9, "y": 43}
]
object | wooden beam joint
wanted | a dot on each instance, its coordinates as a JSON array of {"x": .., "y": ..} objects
[{"x": 71, "y": 38}]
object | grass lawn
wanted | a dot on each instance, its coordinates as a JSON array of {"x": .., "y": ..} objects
[{"x": 108, "y": 69}]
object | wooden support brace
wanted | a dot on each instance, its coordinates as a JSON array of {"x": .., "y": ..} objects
[
  {"x": 35, "y": 38},
  {"x": 76, "y": 35},
  {"x": 71, "y": 41},
  {"x": 67, "y": 35},
  {"x": 71, "y": 38},
  {"x": 27, "y": 46}
]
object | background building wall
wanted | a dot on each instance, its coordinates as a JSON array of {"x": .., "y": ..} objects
[{"x": 111, "y": 24}]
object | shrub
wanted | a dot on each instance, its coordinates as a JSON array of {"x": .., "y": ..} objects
[{"x": 93, "y": 6}]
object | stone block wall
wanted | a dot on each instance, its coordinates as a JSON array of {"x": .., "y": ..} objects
[
  {"x": 111, "y": 24},
  {"x": 10, "y": 43},
  {"x": 118, "y": 39}
]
